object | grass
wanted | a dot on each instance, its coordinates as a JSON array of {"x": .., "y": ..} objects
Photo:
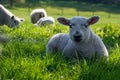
[{"x": 23, "y": 57}]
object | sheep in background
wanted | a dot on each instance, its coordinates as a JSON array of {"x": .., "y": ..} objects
[
  {"x": 81, "y": 42},
  {"x": 7, "y": 18},
  {"x": 36, "y": 14},
  {"x": 45, "y": 20}
]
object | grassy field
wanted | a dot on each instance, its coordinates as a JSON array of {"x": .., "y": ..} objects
[{"x": 23, "y": 56}]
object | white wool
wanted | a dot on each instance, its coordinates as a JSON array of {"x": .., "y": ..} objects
[
  {"x": 36, "y": 14},
  {"x": 81, "y": 42},
  {"x": 7, "y": 18},
  {"x": 8, "y": 12},
  {"x": 45, "y": 20}
]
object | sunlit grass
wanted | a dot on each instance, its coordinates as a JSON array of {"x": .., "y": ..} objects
[{"x": 23, "y": 57}]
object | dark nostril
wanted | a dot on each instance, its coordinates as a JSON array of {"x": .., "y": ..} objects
[{"x": 77, "y": 32}]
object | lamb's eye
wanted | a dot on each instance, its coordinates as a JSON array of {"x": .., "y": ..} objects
[
  {"x": 15, "y": 22},
  {"x": 85, "y": 25},
  {"x": 72, "y": 25}
]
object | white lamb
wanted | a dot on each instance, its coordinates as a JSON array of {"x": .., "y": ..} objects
[
  {"x": 45, "y": 20},
  {"x": 81, "y": 42},
  {"x": 36, "y": 14},
  {"x": 7, "y": 18}
]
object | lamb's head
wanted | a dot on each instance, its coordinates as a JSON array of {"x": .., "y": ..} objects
[
  {"x": 14, "y": 21},
  {"x": 79, "y": 27}
]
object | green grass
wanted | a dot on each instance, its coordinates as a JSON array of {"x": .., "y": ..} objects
[{"x": 23, "y": 57}]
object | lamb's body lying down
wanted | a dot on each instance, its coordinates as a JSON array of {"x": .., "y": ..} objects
[
  {"x": 80, "y": 42},
  {"x": 45, "y": 20},
  {"x": 7, "y": 18}
]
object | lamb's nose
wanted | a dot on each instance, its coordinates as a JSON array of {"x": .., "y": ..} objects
[{"x": 77, "y": 32}]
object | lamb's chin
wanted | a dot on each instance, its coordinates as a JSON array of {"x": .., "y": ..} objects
[{"x": 77, "y": 40}]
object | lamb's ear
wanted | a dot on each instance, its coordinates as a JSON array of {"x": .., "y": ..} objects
[
  {"x": 22, "y": 19},
  {"x": 63, "y": 21},
  {"x": 12, "y": 17},
  {"x": 93, "y": 20}
]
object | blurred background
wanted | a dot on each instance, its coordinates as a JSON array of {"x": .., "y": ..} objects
[{"x": 104, "y": 8}]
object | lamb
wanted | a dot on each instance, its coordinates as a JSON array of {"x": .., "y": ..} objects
[
  {"x": 9, "y": 19},
  {"x": 36, "y": 14},
  {"x": 81, "y": 42},
  {"x": 45, "y": 20}
]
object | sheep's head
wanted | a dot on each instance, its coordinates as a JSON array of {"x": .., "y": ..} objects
[
  {"x": 79, "y": 27},
  {"x": 14, "y": 21}
]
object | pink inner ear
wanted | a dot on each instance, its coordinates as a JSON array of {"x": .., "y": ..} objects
[
  {"x": 92, "y": 20},
  {"x": 64, "y": 21}
]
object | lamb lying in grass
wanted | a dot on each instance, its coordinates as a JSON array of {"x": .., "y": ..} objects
[
  {"x": 81, "y": 42},
  {"x": 45, "y": 20},
  {"x": 36, "y": 14},
  {"x": 7, "y": 18}
]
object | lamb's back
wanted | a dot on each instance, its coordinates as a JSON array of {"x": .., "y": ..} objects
[
  {"x": 4, "y": 15},
  {"x": 99, "y": 46}
]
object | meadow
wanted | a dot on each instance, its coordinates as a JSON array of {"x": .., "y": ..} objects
[{"x": 23, "y": 57}]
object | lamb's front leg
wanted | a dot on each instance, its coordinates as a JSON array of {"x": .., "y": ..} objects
[{"x": 70, "y": 51}]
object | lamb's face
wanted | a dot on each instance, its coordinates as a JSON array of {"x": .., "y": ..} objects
[
  {"x": 37, "y": 16},
  {"x": 79, "y": 27},
  {"x": 14, "y": 22}
]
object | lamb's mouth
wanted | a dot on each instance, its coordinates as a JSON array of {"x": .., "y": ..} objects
[{"x": 77, "y": 39}]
